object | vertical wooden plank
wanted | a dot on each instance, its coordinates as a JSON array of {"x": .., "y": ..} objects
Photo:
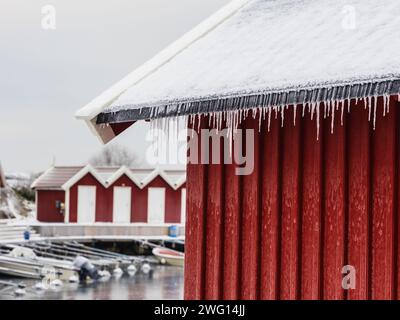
[
  {"x": 290, "y": 208},
  {"x": 383, "y": 174},
  {"x": 396, "y": 104},
  {"x": 232, "y": 226},
  {"x": 213, "y": 233},
  {"x": 213, "y": 263},
  {"x": 250, "y": 220},
  {"x": 271, "y": 206},
  {"x": 334, "y": 208},
  {"x": 311, "y": 211},
  {"x": 195, "y": 229},
  {"x": 359, "y": 198}
]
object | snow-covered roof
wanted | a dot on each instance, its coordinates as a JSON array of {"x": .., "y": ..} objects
[
  {"x": 268, "y": 53},
  {"x": 3, "y": 182},
  {"x": 62, "y": 178}
]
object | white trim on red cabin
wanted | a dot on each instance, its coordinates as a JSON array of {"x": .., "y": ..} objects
[
  {"x": 123, "y": 171},
  {"x": 82, "y": 173}
]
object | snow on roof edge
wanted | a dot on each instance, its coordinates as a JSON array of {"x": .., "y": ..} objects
[{"x": 294, "y": 96}]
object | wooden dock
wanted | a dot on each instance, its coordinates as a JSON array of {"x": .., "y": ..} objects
[{"x": 86, "y": 233}]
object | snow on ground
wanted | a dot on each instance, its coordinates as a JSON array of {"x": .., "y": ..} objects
[{"x": 12, "y": 204}]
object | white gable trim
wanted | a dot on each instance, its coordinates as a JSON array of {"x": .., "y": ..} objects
[
  {"x": 81, "y": 174},
  {"x": 96, "y": 106},
  {"x": 180, "y": 182},
  {"x": 123, "y": 171}
]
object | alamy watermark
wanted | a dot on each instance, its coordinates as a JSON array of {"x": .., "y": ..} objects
[
  {"x": 49, "y": 17},
  {"x": 208, "y": 146}
]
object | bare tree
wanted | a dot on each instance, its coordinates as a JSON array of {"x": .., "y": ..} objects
[{"x": 113, "y": 155}]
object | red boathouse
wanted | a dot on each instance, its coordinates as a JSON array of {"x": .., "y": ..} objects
[
  {"x": 318, "y": 81},
  {"x": 88, "y": 195}
]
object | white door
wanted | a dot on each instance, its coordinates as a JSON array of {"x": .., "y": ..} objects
[
  {"x": 183, "y": 206},
  {"x": 156, "y": 205},
  {"x": 122, "y": 205},
  {"x": 86, "y": 204}
]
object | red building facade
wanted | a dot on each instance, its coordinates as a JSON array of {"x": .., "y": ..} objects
[
  {"x": 322, "y": 98},
  {"x": 310, "y": 208},
  {"x": 59, "y": 192}
]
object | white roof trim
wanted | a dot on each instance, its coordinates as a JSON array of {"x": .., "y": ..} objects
[
  {"x": 180, "y": 182},
  {"x": 96, "y": 106},
  {"x": 81, "y": 174},
  {"x": 118, "y": 174}
]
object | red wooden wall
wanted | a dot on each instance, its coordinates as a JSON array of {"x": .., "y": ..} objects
[
  {"x": 46, "y": 205},
  {"x": 309, "y": 208},
  {"x": 105, "y": 198}
]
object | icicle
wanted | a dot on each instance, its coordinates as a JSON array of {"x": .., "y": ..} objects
[
  {"x": 294, "y": 114},
  {"x": 282, "y": 115},
  {"x": 329, "y": 107},
  {"x": 342, "y": 112},
  {"x": 269, "y": 118},
  {"x": 324, "y": 109},
  {"x": 318, "y": 106},
  {"x": 333, "y": 119},
  {"x": 375, "y": 107},
  {"x": 386, "y": 105},
  {"x": 312, "y": 111},
  {"x": 198, "y": 122},
  {"x": 369, "y": 112},
  {"x": 304, "y": 107}
]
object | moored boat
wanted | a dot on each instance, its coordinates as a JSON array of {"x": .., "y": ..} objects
[{"x": 168, "y": 256}]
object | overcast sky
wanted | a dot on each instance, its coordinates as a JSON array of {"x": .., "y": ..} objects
[{"x": 46, "y": 75}]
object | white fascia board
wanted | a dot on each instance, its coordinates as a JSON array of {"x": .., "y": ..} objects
[
  {"x": 167, "y": 179},
  {"x": 81, "y": 174},
  {"x": 118, "y": 174},
  {"x": 152, "y": 175},
  {"x": 180, "y": 182},
  {"x": 96, "y": 106}
]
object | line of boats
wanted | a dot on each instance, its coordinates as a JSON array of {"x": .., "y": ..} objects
[{"x": 52, "y": 262}]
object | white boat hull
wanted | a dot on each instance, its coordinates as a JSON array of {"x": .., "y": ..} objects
[{"x": 169, "y": 257}]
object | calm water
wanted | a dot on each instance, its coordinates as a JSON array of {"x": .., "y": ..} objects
[{"x": 166, "y": 283}]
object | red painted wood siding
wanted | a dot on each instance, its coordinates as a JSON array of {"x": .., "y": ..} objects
[
  {"x": 46, "y": 205},
  {"x": 105, "y": 199},
  {"x": 309, "y": 208}
]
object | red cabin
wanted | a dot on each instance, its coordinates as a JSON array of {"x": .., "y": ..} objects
[
  {"x": 86, "y": 195},
  {"x": 317, "y": 82}
]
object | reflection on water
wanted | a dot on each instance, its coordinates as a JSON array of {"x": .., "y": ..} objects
[{"x": 165, "y": 283}]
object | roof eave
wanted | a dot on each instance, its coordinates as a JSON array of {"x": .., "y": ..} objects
[
  {"x": 294, "y": 96},
  {"x": 90, "y": 112}
]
